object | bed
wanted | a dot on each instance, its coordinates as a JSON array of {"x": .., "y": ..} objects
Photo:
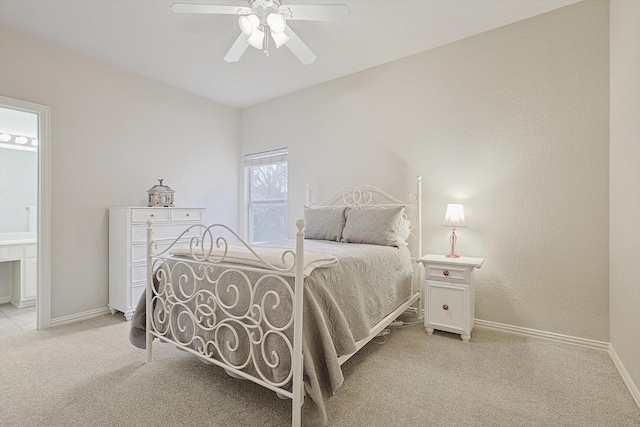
[{"x": 240, "y": 307}]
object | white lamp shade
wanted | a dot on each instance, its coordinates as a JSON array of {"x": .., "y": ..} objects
[
  {"x": 279, "y": 38},
  {"x": 248, "y": 23},
  {"x": 454, "y": 216},
  {"x": 276, "y": 22},
  {"x": 256, "y": 38}
]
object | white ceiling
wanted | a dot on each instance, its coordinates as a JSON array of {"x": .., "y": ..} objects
[{"x": 187, "y": 51}]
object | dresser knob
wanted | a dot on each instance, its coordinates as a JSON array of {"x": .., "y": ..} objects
[
  {"x": 445, "y": 307},
  {"x": 446, "y": 272},
  {"x": 187, "y": 214},
  {"x": 151, "y": 215}
]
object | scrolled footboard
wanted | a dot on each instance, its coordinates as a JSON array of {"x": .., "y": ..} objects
[{"x": 246, "y": 318}]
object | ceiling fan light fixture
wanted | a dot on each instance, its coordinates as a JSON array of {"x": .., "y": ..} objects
[
  {"x": 279, "y": 38},
  {"x": 256, "y": 38},
  {"x": 248, "y": 23},
  {"x": 276, "y": 22},
  {"x": 264, "y": 22}
]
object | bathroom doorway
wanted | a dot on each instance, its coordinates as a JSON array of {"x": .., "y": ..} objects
[{"x": 24, "y": 217}]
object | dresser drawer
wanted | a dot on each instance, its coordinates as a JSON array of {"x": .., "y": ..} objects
[
  {"x": 186, "y": 215},
  {"x": 169, "y": 231},
  {"x": 447, "y": 272},
  {"x": 138, "y": 273},
  {"x": 139, "y": 251},
  {"x": 136, "y": 294},
  {"x": 142, "y": 215}
]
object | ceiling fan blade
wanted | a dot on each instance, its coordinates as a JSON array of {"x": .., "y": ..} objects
[
  {"x": 210, "y": 8},
  {"x": 238, "y": 49},
  {"x": 299, "y": 49},
  {"x": 316, "y": 12}
]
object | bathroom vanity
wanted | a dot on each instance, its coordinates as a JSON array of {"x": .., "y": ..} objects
[{"x": 20, "y": 250}]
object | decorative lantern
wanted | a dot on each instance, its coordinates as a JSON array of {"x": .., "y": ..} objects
[{"x": 160, "y": 196}]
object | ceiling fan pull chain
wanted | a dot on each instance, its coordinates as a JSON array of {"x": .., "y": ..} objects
[{"x": 266, "y": 41}]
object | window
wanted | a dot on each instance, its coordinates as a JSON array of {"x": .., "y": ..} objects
[{"x": 266, "y": 209}]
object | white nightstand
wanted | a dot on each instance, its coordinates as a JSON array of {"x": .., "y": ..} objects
[{"x": 449, "y": 291}]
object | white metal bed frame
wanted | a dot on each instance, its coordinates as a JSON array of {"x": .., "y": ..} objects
[{"x": 202, "y": 266}]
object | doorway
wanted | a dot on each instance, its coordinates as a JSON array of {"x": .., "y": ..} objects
[{"x": 25, "y": 235}]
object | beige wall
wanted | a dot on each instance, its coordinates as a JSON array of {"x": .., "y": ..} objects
[
  {"x": 512, "y": 123},
  {"x": 113, "y": 134},
  {"x": 625, "y": 186}
]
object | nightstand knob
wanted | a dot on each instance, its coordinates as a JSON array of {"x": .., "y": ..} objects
[
  {"x": 446, "y": 273},
  {"x": 187, "y": 214},
  {"x": 151, "y": 215},
  {"x": 445, "y": 307}
]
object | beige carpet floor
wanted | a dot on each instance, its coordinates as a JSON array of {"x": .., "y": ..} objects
[{"x": 87, "y": 374}]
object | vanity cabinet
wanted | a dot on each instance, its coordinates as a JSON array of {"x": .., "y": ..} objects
[{"x": 20, "y": 251}]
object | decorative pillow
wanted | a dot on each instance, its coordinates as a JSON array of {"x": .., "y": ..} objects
[
  {"x": 404, "y": 232},
  {"x": 375, "y": 226},
  {"x": 325, "y": 223}
]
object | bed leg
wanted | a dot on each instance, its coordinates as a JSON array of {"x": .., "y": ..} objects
[
  {"x": 149, "y": 292},
  {"x": 296, "y": 417},
  {"x": 298, "y": 384},
  {"x": 149, "y": 348}
]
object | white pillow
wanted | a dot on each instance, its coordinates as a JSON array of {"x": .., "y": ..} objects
[
  {"x": 375, "y": 226},
  {"x": 324, "y": 223}
]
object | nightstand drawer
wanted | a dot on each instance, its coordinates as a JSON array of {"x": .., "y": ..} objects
[
  {"x": 447, "y": 306},
  {"x": 447, "y": 272}
]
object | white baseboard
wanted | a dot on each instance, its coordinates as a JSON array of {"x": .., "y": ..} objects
[
  {"x": 635, "y": 393},
  {"x": 79, "y": 316},
  {"x": 4, "y": 300},
  {"x": 567, "y": 339}
]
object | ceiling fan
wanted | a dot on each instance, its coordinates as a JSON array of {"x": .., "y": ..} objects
[{"x": 264, "y": 17}]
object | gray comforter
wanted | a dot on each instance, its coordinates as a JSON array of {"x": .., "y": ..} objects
[{"x": 341, "y": 304}]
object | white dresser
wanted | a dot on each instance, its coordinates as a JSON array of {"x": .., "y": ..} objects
[{"x": 128, "y": 248}]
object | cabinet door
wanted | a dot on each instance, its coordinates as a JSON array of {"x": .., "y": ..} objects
[
  {"x": 30, "y": 279},
  {"x": 447, "y": 306}
]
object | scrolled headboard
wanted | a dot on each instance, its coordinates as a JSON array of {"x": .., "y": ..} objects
[{"x": 369, "y": 196}]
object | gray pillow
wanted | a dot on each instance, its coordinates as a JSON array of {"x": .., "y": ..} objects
[
  {"x": 324, "y": 223},
  {"x": 375, "y": 226}
]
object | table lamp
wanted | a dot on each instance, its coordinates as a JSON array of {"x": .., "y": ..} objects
[{"x": 454, "y": 218}]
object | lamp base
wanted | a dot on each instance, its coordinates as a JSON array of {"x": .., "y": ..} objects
[{"x": 452, "y": 255}]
